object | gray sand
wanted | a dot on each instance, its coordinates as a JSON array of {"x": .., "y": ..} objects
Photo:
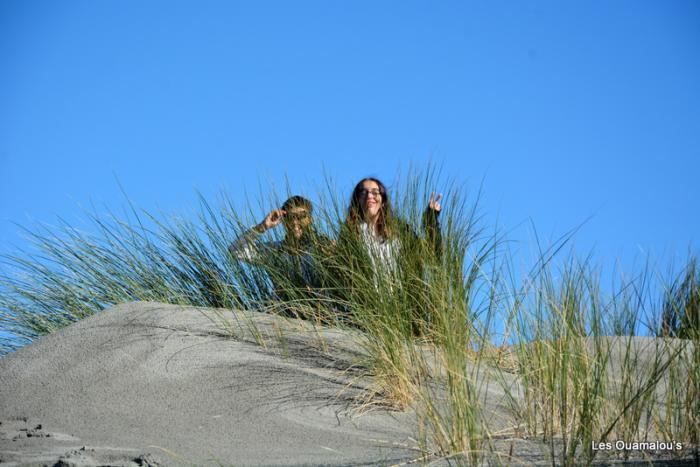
[
  {"x": 151, "y": 381},
  {"x": 151, "y": 384}
]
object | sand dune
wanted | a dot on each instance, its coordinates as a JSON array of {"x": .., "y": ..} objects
[
  {"x": 151, "y": 384},
  {"x": 154, "y": 384}
]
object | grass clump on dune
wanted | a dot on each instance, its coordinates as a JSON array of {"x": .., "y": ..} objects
[
  {"x": 585, "y": 384},
  {"x": 430, "y": 329}
]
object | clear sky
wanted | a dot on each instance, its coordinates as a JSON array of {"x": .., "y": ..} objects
[{"x": 566, "y": 110}]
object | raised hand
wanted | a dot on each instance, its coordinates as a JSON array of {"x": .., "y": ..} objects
[
  {"x": 273, "y": 219},
  {"x": 434, "y": 202}
]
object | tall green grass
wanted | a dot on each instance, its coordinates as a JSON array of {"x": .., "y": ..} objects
[
  {"x": 583, "y": 382},
  {"x": 436, "y": 333}
]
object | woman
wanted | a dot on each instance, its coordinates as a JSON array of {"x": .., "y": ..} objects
[{"x": 378, "y": 245}]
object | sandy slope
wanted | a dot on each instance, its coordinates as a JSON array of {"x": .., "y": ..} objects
[{"x": 152, "y": 383}]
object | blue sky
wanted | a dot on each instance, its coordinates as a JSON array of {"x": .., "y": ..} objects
[{"x": 566, "y": 110}]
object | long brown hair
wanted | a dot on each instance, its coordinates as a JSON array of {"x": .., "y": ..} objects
[{"x": 356, "y": 211}]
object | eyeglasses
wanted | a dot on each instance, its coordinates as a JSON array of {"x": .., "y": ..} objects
[
  {"x": 375, "y": 193},
  {"x": 291, "y": 216}
]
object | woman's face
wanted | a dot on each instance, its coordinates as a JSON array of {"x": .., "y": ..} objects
[{"x": 370, "y": 198}]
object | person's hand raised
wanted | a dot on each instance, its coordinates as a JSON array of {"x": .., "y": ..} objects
[
  {"x": 273, "y": 219},
  {"x": 434, "y": 203}
]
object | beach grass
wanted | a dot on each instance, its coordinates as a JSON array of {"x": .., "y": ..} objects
[{"x": 436, "y": 333}]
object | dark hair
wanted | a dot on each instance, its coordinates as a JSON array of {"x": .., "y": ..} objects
[
  {"x": 356, "y": 211},
  {"x": 297, "y": 201}
]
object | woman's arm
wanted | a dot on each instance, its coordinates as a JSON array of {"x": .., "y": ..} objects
[
  {"x": 245, "y": 248},
  {"x": 431, "y": 225}
]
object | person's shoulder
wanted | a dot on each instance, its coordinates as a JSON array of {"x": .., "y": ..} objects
[
  {"x": 347, "y": 231},
  {"x": 321, "y": 242}
]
